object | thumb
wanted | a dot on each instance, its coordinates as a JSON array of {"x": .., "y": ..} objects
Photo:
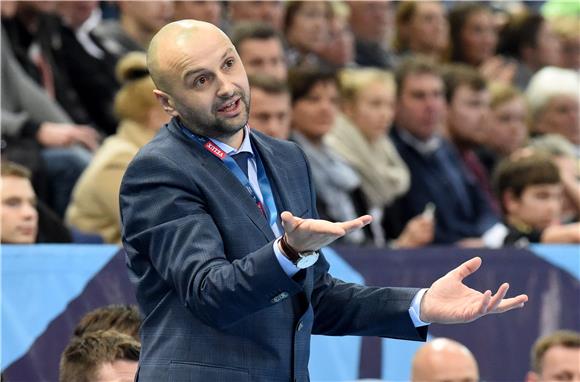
[{"x": 289, "y": 221}]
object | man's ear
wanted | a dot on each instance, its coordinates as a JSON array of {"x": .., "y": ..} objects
[{"x": 166, "y": 102}]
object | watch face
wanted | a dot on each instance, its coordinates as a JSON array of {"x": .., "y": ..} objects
[{"x": 307, "y": 261}]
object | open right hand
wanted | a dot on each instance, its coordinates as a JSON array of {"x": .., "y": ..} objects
[{"x": 313, "y": 234}]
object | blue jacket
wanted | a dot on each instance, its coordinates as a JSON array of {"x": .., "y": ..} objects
[{"x": 217, "y": 304}]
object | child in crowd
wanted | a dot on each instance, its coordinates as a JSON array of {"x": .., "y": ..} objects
[{"x": 530, "y": 191}]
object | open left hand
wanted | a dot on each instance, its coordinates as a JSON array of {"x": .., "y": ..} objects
[{"x": 449, "y": 301}]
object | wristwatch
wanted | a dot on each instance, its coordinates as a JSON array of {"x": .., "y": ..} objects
[{"x": 302, "y": 260}]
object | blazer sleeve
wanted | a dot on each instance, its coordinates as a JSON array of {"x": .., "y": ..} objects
[
  {"x": 342, "y": 308},
  {"x": 168, "y": 231}
]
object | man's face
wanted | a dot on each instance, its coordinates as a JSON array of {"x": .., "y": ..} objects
[
  {"x": 209, "y": 11},
  {"x": 538, "y": 206},
  {"x": 421, "y": 105},
  {"x": 264, "y": 57},
  {"x": 270, "y": 113},
  {"x": 150, "y": 16},
  {"x": 559, "y": 364},
  {"x": 466, "y": 115},
  {"x": 271, "y": 12},
  {"x": 117, "y": 371},
  {"x": 506, "y": 129},
  {"x": 19, "y": 215},
  {"x": 429, "y": 28},
  {"x": 208, "y": 87}
]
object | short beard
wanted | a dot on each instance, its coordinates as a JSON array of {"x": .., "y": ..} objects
[{"x": 212, "y": 127}]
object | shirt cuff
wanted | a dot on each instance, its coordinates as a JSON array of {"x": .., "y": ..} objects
[
  {"x": 415, "y": 309},
  {"x": 287, "y": 266}
]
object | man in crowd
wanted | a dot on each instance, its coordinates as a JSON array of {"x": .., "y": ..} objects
[
  {"x": 556, "y": 357},
  {"x": 444, "y": 360},
  {"x": 270, "y": 107}
]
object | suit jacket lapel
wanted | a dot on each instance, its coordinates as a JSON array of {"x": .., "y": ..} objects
[{"x": 229, "y": 182}]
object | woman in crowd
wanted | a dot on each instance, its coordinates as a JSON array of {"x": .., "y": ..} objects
[
  {"x": 95, "y": 204},
  {"x": 360, "y": 137},
  {"x": 306, "y": 28}
]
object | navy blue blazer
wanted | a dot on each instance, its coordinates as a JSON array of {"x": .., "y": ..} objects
[{"x": 217, "y": 305}]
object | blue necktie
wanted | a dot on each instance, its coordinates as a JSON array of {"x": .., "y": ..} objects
[{"x": 241, "y": 159}]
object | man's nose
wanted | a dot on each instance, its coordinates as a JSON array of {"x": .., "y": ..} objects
[{"x": 226, "y": 87}]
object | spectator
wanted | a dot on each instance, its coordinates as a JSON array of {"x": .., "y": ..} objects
[
  {"x": 555, "y": 357},
  {"x": 24, "y": 219},
  {"x": 270, "y": 107},
  {"x": 306, "y": 29},
  {"x": 444, "y": 360},
  {"x": 506, "y": 127},
  {"x": 422, "y": 28},
  {"x": 315, "y": 101},
  {"x": 208, "y": 11},
  {"x": 38, "y": 133},
  {"x": 529, "y": 39},
  {"x": 100, "y": 356},
  {"x": 474, "y": 39},
  {"x": 89, "y": 65},
  {"x": 566, "y": 28},
  {"x": 139, "y": 21},
  {"x": 530, "y": 190},
  {"x": 270, "y": 12},
  {"x": 437, "y": 175},
  {"x": 121, "y": 318},
  {"x": 468, "y": 99},
  {"x": 553, "y": 98},
  {"x": 95, "y": 203},
  {"x": 360, "y": 138},
  {"x": 339, "y": 51},
  {"x": 261, "y": 49},
  {"x": 371, "y": 23}
]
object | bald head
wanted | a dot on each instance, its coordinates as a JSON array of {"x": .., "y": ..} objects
[
  {"x": 444, "y": 360},
  {"x": 173, "y": 44}
]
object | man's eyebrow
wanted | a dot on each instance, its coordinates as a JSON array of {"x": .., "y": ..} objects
[{"x": 194, "y": 72}]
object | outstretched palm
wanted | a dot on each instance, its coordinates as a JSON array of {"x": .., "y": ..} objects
[{"x": 449, "y": 301}]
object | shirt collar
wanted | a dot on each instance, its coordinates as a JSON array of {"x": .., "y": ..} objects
[
  {"x": 245, "y": 147},
  {"x": 423, "y": 147}
]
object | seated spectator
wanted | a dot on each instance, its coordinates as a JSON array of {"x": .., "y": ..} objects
[
  {"x": 121, "y": 318},
  {"x": 39, "y": 134},
  {"x": 474, "y": 39},
  {"x": 270, "y": 107},
  {"x": 138, "y": 23},
  {"x": 25, "y": 220},
  {"x": 561, "y": 151},
  {"x": 209, "y": 11},
  {"x": 529, "y": 39},
  {"x": 372, "y": 22},
  {"x": 555, "y": 357},
  {"x": 261, "y": 50},
  {"x": 270, "y": 12},
  {"x": 306, "y": 29},
  {"x": 437, "y": 175},
  {"x": 89, "y": 65},
  {"x": 506, "y": 127},
  {"x": 339, "y": 51},
  {"x": 553, "y": 95},
  {"x": 422, "y": 28},
  {"x": 360, "y": 138},
  {"x": 315, "y": 101},
  {"x": 444, "y": 360},
  {"x": 95, "y": 203},
  {"x": 101, "y": 356},
  {"x": 467, "y": 99},
  {"x": 530, "y": 191},
  {"x": 566, "y": 28}
]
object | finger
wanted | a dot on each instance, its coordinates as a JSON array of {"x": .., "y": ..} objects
[
  {"x": 467, "y": 268},
  {"x": 486, "y": 298},
  {"x": 498, "y": 297},
  {"x": 357, "y": 223},
  {"x": 511, "y": 303}
]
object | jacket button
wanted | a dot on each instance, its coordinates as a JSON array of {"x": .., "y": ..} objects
[{"x": 279, "y": 297}]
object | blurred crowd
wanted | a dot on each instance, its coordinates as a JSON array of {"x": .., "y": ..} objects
[{"x": 448, "y": 122}]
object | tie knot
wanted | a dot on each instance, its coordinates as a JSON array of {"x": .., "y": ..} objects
[{"x": 241, "y": 159}]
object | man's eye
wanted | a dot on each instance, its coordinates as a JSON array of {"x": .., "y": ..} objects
[
  {"x": 229, "y": 63},
  {"x": 200, "y": 81}
]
